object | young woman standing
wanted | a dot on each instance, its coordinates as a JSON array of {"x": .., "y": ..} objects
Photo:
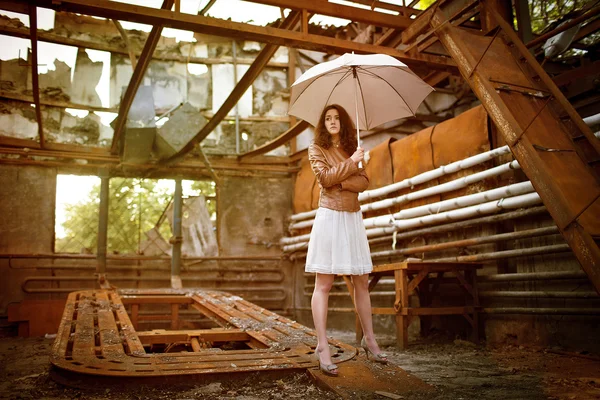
[{"x": 338, "y": 241}]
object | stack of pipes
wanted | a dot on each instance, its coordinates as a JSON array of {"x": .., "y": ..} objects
[{"x": 470, "y": 210}]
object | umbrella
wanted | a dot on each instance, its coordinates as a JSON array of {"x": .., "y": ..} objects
[{"x": 376, "y": 88}]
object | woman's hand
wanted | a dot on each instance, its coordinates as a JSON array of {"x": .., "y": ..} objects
[{"x": 358, "y": 155}]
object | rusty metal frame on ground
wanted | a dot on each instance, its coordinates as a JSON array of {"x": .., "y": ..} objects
[{"x": 97, "y": 337}]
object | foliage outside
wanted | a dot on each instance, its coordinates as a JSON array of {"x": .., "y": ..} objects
[{"x": 135, "y": 206}]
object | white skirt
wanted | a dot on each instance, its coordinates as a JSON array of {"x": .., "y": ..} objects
[{"x": 338, "y": 244}]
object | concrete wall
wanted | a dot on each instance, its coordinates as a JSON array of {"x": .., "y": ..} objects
[
  {"x": 253, "y": 213},
  {"x": 27, "y": 205}
]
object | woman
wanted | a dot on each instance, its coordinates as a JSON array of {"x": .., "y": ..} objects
[{"x": 338, "y": 240}]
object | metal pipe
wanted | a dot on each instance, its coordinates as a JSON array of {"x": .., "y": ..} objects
[
  {"x": 532, "y": 276},
  {"x": 592, "y": 120},
  {"x": 532, "y": 251},
  {"x": 102, "y": 223},
  {"x": 539, "y": 294},
  {"x": 463, "y": 224},
  {"x": 177, "y": 238},
  {"x": 470, "y": 242},
  {"x": 450, "y": 227},
  {"x": 549, "y": 311}
]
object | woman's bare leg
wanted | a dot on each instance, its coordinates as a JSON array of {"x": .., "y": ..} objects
[
  {"x": 362, "y": 301},
  {"x": 319, "y": 303}
]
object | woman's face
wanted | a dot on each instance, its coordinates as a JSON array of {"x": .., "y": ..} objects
[{"x": 332, "y": 121}]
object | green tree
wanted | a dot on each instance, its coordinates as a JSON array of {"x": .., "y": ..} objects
[{"x": 135, "y": 207}]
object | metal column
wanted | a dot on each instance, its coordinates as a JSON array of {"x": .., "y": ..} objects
[
  {"x": 102, "y": 229},
  {"x": 177, "y": 238}
]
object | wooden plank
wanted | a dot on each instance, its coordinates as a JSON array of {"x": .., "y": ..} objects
[
  {"x": 342, "y": 11},
  {"x": 285, "y": 137},
  {"x": 136, "y": 79},
  {"x": 438, "y": 310},
  {"x": 156, "y": 300},
  {"x": 383, "y": 310},
  {"x": 417, "y": 266},
  {"x": 132, "y": 342},
  {"x": 83, "y": 337},
  {"x": 135, "y": 310},
  {"x": 416, "y": 280},
  {"x": 219, "y": 27},
  {"x": 211, "y": 335},
  {"x": 14, "y": 6},
  {"x": 464, "y": 283},
  {"x": 110, "y": 342}
]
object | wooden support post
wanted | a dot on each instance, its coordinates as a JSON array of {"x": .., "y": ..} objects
[
  {"x": 401, "y": 285},
  {"x": 195, "y": 345},
  {"x": 304, "y": 21}
]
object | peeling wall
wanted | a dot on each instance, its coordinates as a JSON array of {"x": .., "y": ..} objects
[
  {"x": 173, "y": 83},
  {"x": 253, "y": 214},
  {"x": 26, "y": 222}
]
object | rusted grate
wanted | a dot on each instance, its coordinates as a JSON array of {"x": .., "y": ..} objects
[{"x": 97, "y": 337}]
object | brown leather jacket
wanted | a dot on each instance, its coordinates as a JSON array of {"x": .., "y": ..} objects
[{"x": 339, "y": 177}]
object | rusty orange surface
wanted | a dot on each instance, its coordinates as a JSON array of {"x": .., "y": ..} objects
[
  {"x": 380, "y": 167},
  {"x": 96, "y": 337},
  {"x": 303, "y": 188}
]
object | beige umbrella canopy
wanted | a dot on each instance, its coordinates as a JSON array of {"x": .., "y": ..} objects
[{"x": 373, "y": 89}]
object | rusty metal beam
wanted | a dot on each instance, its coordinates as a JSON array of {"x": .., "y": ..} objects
[
  {"x": 539, "y": 125},
  {"x": 14, "y": 6},
  {"x": 65, "y": 155},
  {"x": 255, "y": 69},
  {"x": 275, "y": 342},
  {"x": 422, "y": 22},
  {"x": 286, "y": 136},
  {"x": 406, "y": 11},
  {"x": 342, "y": 11},
  {"x": 219, "y": 27},
  {"x": 65, "y": 104},
  {"x": 136, "y": 79},
  {"x": 35, "y": 82},
  {"x": 59, "y": 39}
]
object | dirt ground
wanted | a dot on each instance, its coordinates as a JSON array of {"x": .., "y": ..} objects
[{"x": 456, "y": 369}]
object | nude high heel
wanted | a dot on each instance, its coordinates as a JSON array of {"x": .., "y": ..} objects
[
  {"x": 380, "y": 358},
  {"x": 328, "y": 369}
]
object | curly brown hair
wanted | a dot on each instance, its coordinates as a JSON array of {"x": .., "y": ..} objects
[{"x": 347, "y": 134}]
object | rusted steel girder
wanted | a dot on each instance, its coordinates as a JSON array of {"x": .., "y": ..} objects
[
  {"x": 136, "y": 79},
  {"x": 554, "y": 147},
  {"x": 96, "y": 337}
]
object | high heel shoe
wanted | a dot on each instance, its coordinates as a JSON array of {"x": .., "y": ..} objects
[
  {"x": 328, "y": 369},
  {"x": 380, "y": 358}
]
